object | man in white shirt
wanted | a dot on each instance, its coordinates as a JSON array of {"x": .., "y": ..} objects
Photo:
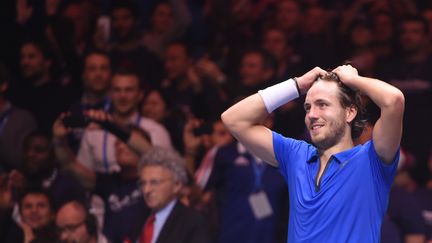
[{"x": 97, "y": 146}]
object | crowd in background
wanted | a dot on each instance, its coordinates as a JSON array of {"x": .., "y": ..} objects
[{"x": 170, "y": 68}]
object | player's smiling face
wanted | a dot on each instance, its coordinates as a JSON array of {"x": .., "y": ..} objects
[{"x": 325, "y": 117}]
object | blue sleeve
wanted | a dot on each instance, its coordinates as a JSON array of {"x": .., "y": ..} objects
[
  {"x": 288, "y": 153},
  {"x": 384, "y": 172}
]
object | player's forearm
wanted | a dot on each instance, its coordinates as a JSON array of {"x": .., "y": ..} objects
[
  {"x": 384, "y": 95},
  {"x": 245, "y": 114}
]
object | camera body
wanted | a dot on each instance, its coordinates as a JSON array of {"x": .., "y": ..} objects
[{"x": 76, "y": 121}]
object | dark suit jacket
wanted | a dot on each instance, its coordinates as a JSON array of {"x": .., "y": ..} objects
[{"x": 183, "y": 225}]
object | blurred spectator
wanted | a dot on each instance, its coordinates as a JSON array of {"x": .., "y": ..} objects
[
  {"x": 96, "y": 82},
  {"x": 424, "y": 197},
  {"x": 289, "y": 63},
  {"x": 317, "y": 36},
  {"x": 384, "y": 34},
  {"x": 288, "y": 17},
  {"x": 405, "y": 211},
  {"x": 359, "y": 49},
  {"x": 81, "y": 14},
  {"x": 37, "y": 90},
  {"x": 36, "y": 219},
  {"x": 126, "y": 49},
  {"x": 427, "y": 15},
  {"x": 202, "y": 140},
  {"x": 187, "y": 85},
  {"x": 123, "y": 200},
  {"x": 162, "y": 176},
  {"x": 257, "y": 68},
  {"x": 238, "y": 179},
  {"x": 158, "y": 107},
  {"x": 15, "y": 125},
  {"x": 40, "y": 170},
  {"x": 97, "y": 146},
  {"x": 169, "y": 21},
  {"x": 409, "y": 71},
  {"x": 75, "y": 224}
]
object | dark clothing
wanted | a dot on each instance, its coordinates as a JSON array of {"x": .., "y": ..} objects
[
  {"x": 140, "y": 60},
  {"x": 424, "y": 197},
  {"x": 15, "y": 125},
  {"x": 390, "y": 232},
  {"x": 234, "y": 180},
  {"x": 45, "y": 102},
  {"x": 124, "y": 206},
  {"x": 77, "y": 109},
  {"x": 405, "y": 211},
  {"x": 208, "y": 103},
  {"x": 12, "y": 233},
  {"x": 183, "y": 225},
  {"x": 62, "y": 187}
]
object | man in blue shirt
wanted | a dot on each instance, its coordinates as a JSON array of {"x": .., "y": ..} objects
[{"x": 338, "y": 191}]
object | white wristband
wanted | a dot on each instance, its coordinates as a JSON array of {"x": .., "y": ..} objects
[{"x": 279, "y": 94}]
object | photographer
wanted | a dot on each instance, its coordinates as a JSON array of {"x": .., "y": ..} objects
[
  {"x": 122, "y": 198},
  {"x": 97, "y": 145}
]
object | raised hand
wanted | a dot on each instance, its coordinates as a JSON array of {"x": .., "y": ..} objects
[
  {"x": 59, "y": 129},
  {"x": 346, "y": 74},
  {"x": 306, "y": 80}
]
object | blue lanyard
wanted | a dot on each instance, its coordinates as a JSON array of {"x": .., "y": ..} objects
[
  {"x": 105, "y": 145},
  {"x": 4, "y": 118},
  {"x": 258, "y": 172}
]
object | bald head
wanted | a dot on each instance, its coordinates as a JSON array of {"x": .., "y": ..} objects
[{"x": 71, "y": 220}]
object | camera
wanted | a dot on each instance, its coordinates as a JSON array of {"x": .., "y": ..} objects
[{"x": 76, "y": 121}]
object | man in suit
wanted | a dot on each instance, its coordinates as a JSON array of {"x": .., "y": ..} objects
[{"x": 162, "y": 176}]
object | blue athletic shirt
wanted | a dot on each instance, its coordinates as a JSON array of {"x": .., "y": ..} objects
[{"x": 350, "y": 201}]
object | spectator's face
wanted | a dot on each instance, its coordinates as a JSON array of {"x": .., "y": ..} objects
[
  {"x": 123, "y": 22},
  {"x": 97, "y": 73},
  {"x": 326, "y": 119},
  {"x": 158, "y": 186},
  {"x": 125, "y": 94},
  {"x": 36, "y": 211},
  {"x": 220, "y": 135},
  {"x": 154, "y": 106},
  {"x": 162, "y": 18},
  {"x": 80, "y": 17},
  {"x": 125, "y": 157},
  {"x": 33, "y": 64},
  {"x": 275, "y": 43},
  {"x": 252, "y": 71},
  {"x": 315, "y": 21},
  {"x": 413, "y": 37},
  {"x": 37, "y": 155},
  {"x": 361, "y": 36},
  {"x": 176, "y": 61},
  {"x": 288, "y": 15},
  {"x": 383, "y": 28},
  {"x": 70, "y": 221}
]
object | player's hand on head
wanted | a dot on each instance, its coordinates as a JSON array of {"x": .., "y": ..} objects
[
  {"x": 346, "y": 73},
  {"x": 306, "y": 80}
]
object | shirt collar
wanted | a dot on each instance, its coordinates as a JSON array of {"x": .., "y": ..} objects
[
  {"x": 339, "y": 157},
  {"x": 162, "y": 214}
]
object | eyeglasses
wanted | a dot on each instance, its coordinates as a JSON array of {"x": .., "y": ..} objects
[
  {"x": 69, "y": 228},
  {"x": 152, "y": 182}
]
